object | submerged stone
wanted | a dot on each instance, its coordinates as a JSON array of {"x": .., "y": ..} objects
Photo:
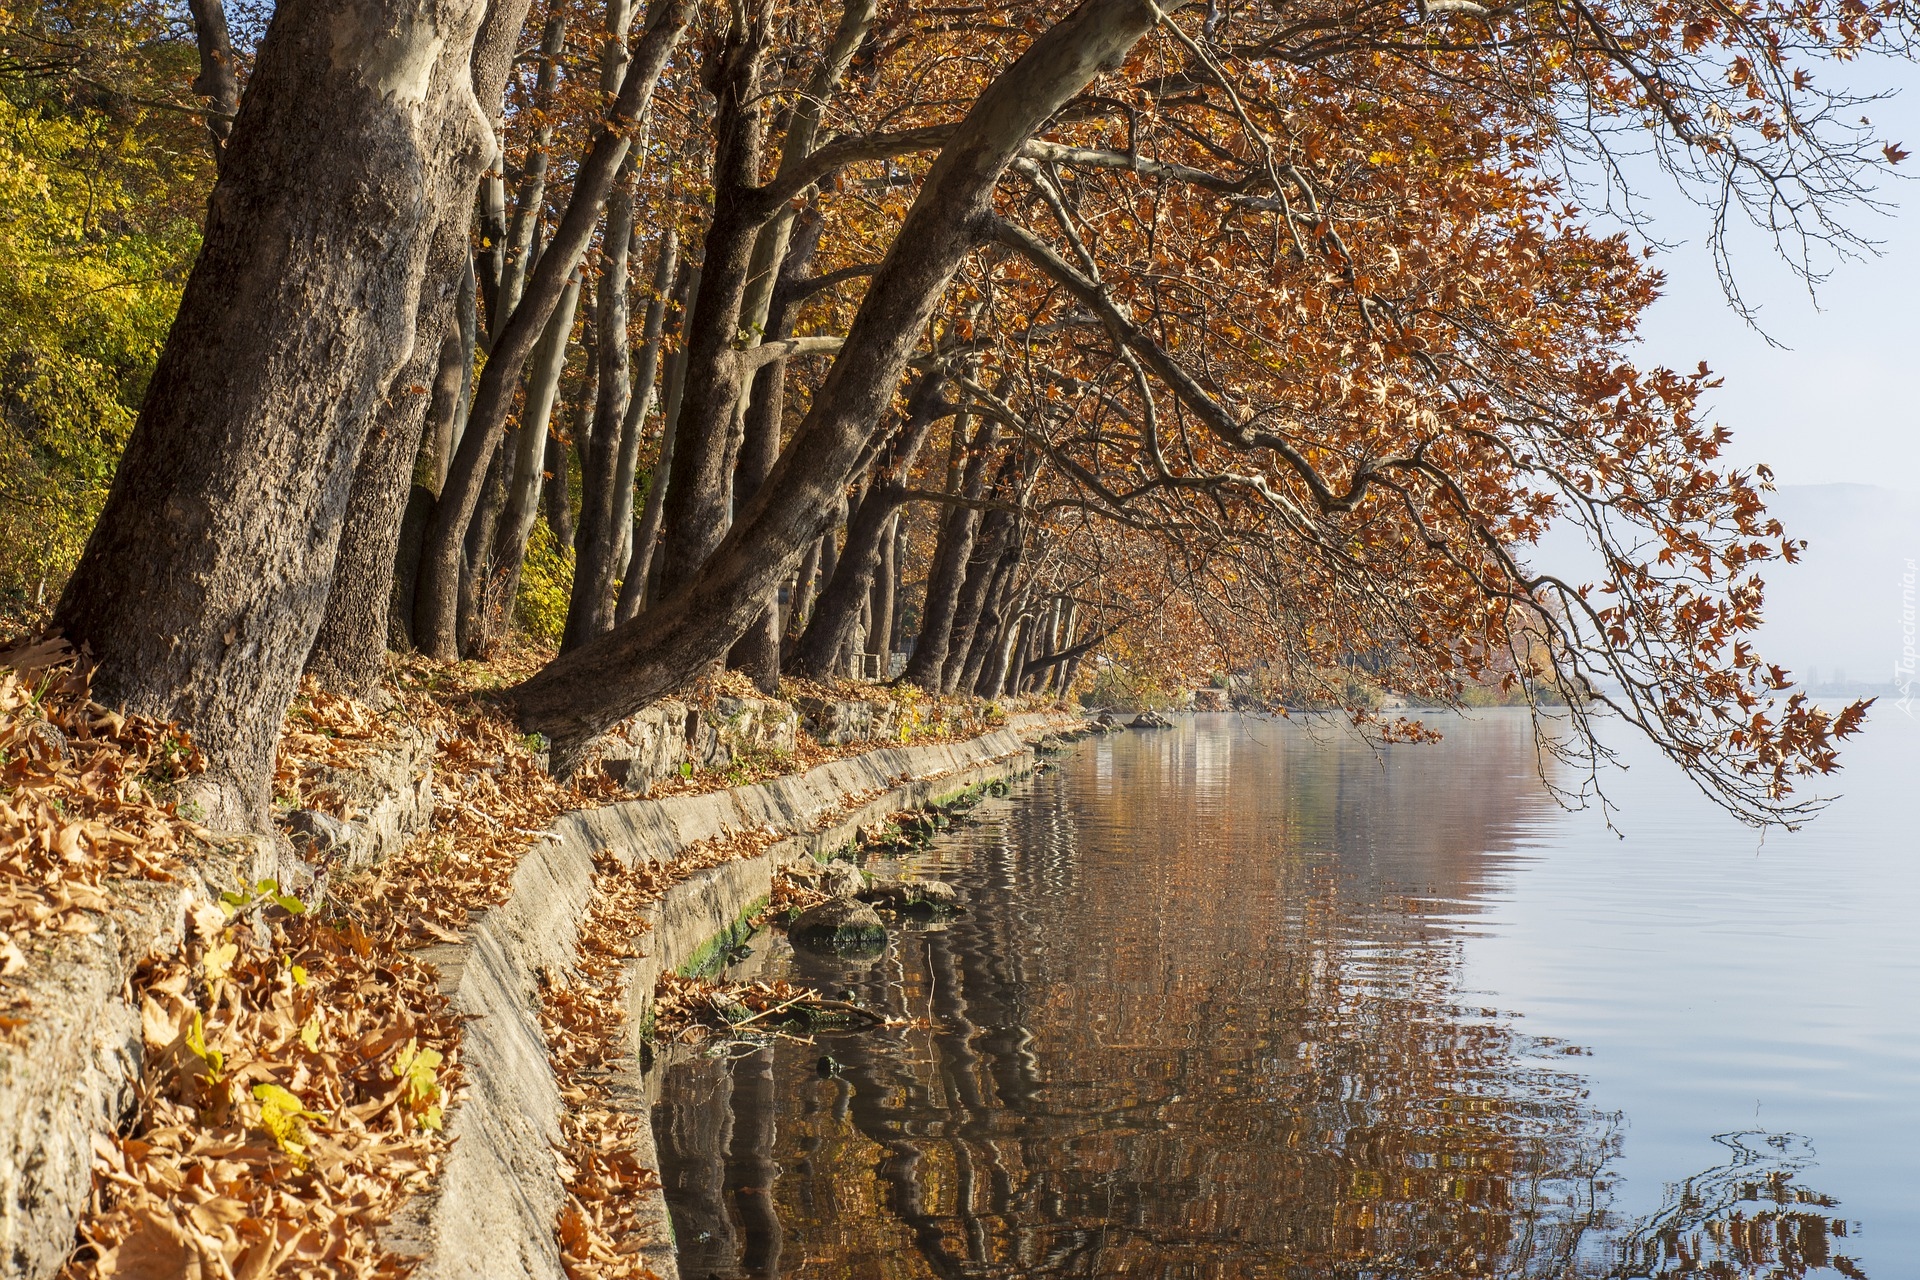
[
  {"x": 844, "y": 926},
  {"x": 922, "y": 896}
]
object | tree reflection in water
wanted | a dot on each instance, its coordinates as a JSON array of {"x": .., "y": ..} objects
[
  {"x": 1203, "y": 1020},
  {"x": 1750, "y": 1216}
]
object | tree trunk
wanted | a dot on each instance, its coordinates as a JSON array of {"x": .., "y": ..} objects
[
  {"x": 591, "y": 605},
  {"x": 490, "y": 255},
  {"x": 988, "y": 634},
  {"x": 522, "y": 248},
  {"x": 452, "y": 381},
  {"x": 880, "y": 602},
  {"x": 556, "y": 495},
  {"x": 972, "y": 600},
  {"x": 203, "y": 583},
  {"x": 836, "y": 618},
  {"x": 644, "y": 560},
  {"x": 436, "y": 611},
  {"x": 446, "y": 417},
  {"x": 217, "y": 82},
  {"x": 579, "y": 694},
  {"x": 800, "y": 605},
  {"x": 475, "y": 623},
  {"x": 530, "y": 449},
  {"x": 644, "y": 398},
  {"x": 897, "y": 624},
  {"x": 758, "y": 652},
  {"x": 1005, "y": 655},
  {"x": 947, "y": 573},
  {"x": 350, "y": 648},
  {"x": 699, "y": 496}
]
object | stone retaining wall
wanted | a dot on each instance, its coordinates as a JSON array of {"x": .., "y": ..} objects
[
  {"x": 66, "y": 1072},
  {"x": 492, "y": 1214}
]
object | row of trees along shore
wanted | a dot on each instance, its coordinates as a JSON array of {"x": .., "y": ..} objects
[{"x": 1241, "y": 331}]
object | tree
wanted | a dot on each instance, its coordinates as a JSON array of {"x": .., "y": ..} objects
[
  {"x": 203, "y": 582},
  {"x": 1273, "y": 329}
]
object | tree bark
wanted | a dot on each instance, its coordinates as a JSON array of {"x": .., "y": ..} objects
[
  {"x": 452, "y": 380},
  {"x": 530, "y": 448},
  {"x": 376, "y": 568},
  {"x": 522, "y": 246},
  {"x": 800, "y": 604},
  {"x": 699, "y": 496},
  {"x": 1007, "y": 657},
  {"x": 474, "y": 623},
  {"x": 952, "y": 549},
  {"x": 880, "y": 601},
  {"x": 436, "y": 610},
  {"x": 972, "y": 601},
  {"x": 644, "y": 560},
  {"x": 641, "y": 405},
  {"x": 590, "y": 607},
  {"x": 203, "y": 583},
  {"x": 758, "y": 652},
  {"x": 556, "y": 495},
  {"x": 579, "y": 694},
  {"x": 988, "y": 636},
  {"x": 217, "y": 82},
  {"x": 836, "y": 617}
]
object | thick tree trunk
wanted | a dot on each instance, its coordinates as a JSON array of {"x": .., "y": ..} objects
[
  {"x": 204, "y": 581},
  {"x": 581, "y": 693},
  {"x": 350, "y": 648},
  {"x": 758, "y": 652},
  {"x": 377, "y": 564},
  {"x": 699, "y": 496},
  {"x": 952, "y": 550},
  {"x": 436, "y": 611}
]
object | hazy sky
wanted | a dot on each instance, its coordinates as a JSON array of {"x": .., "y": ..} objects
[{"x": 1841, "y": 402}]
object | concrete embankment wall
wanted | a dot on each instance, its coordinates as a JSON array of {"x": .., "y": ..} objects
[
  {"x": 492, "y": 1214},
  {"x": 66, "y": 1069}
]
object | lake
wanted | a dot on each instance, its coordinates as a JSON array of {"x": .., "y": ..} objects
[{"x": 1250, "y": 998}]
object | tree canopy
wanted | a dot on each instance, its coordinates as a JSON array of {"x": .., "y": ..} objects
[{"x": 1255, "y": 337}]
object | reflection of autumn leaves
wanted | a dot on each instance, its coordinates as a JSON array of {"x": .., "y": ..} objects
[{"x": 1116, "y": 1085}]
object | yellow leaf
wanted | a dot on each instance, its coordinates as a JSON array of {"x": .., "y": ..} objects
[
  {"x": 220, "y": 961},
  {"x": 284, "y": 1118}
]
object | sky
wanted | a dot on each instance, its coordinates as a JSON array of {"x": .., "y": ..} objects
[{"x": 1837, "y": 401}]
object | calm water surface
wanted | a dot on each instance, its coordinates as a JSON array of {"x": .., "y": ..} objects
[{"x": 1246, "y": 999}]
